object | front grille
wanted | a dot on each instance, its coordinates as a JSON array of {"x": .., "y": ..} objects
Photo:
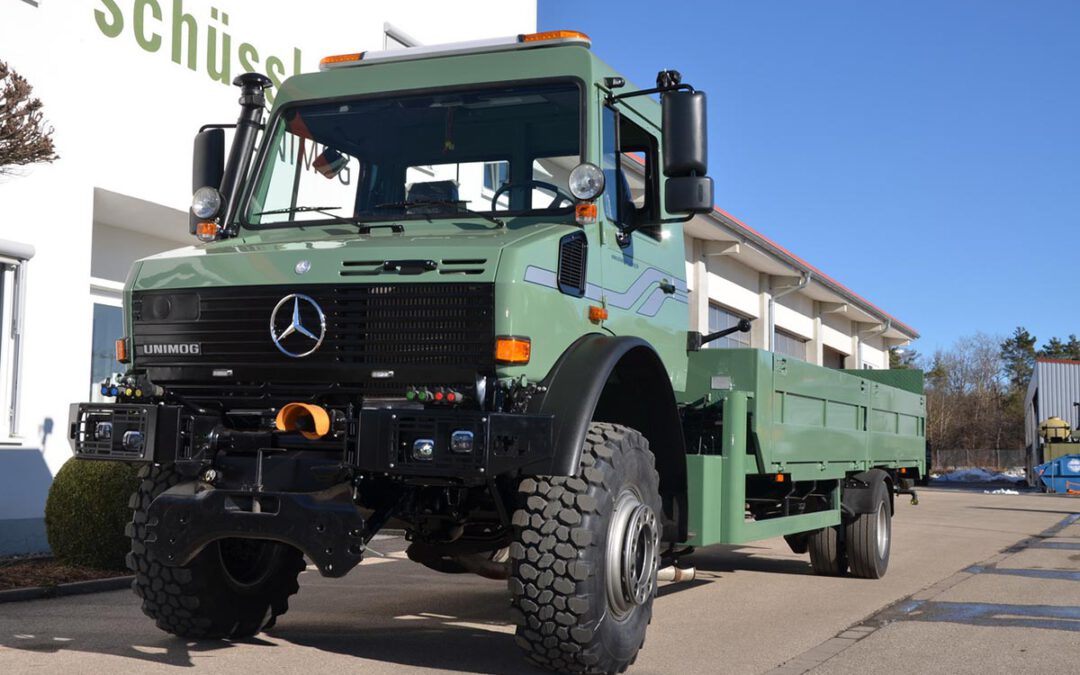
[{"x": 372, "y": 332}]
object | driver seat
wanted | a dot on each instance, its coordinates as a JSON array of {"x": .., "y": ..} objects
[{"x": 437, "y": 191}]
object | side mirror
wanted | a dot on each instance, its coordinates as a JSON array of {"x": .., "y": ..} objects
[
  {"x": 207, "y": 164},
  {"x": 686, "y": 154}
]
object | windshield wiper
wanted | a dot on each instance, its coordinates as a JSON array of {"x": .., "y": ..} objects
[
  {"x": 299, "y": 209},
  {"x": 325, "y": 210},
  {"x": 439, "y": 202}
]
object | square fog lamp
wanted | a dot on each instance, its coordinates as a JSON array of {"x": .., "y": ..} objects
[
  {"x": 461, "y": 442},
  {"x": 423, "y": 449}
]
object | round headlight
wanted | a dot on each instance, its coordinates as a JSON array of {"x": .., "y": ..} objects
[
  {"x": 206, "y": 203},
  {"x": 586, "y": 181}
]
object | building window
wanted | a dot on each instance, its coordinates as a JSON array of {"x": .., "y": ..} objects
[
  {"x": 833, "y": 358},
  {"x": 789, "y": 345},
  {"x": 495, "y": 174},
  {"x": 14, "y": 258},
  {"x": 107, "y": 300},
  {"x": 721, "y": 318}
]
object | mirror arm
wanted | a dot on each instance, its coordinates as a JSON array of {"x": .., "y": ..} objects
[
  {"x": 647, "y": 92},
  {"x": 216, "y": 126},
  {"x": 695, "y": 340}
]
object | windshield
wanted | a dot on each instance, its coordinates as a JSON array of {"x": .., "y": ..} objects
[{"x": 493, "y": 151}]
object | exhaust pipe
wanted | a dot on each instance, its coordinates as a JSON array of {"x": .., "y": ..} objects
[{"x": 312, "y": 421}]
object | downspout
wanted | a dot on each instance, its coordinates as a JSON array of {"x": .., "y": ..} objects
[
  {"x": 773, "y": 297},
  {"x": 880, "y": 329}
]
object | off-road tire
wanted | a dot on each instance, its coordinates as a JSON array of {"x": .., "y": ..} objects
[
  {"x": 868, "y": 537},
  {"x": 203, "y": 599},
  {"x": 558, "y": 578},
  {"x": 827, "y": 554}
]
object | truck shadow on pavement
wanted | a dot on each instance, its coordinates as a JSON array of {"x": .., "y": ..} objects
[
  {"x": 395, "y": 613},
  {"x": 410, "y": 634},
  {"x": 465, "y": 630}
]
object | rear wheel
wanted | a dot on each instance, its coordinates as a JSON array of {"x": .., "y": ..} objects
[
  {"x": 827, "y": 554},
  {"x": 585, "y": 555},
  {"x": 869, "y": 536},
  {"x": 233, "y": 588}
]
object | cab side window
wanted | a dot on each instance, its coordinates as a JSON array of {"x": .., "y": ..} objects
[{"x": 630, "y": 165}]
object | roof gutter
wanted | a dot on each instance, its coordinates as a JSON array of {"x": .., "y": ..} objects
[
  {"x": 803, "y": 268},
  {"x": 880, "y": 329},
  {"x": 773, "y": 297}
]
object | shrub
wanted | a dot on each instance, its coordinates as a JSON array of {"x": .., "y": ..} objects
[{"x": 87, "y": 510}]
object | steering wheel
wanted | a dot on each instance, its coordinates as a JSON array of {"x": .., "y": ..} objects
[{"x": 557, "y": 200}]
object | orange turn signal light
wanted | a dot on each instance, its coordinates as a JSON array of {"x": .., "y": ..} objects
[
  {"x": 122, "y": 350},
  {"x": 585, "y": 213},
  {"x": 340, "y": 58},
  {"x": 597, "y": 314},
  {"x": 515, "y": 350},
  {"x": 207, "y": 230},
  {"x": 780, "y": 478}
]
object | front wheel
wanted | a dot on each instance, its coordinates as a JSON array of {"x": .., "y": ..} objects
[
  {"x": 233, "y": 588},
  {"x": 585, "y": 555}
]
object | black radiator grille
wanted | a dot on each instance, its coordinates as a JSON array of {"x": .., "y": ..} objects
[{"x": 368, "y": 326}]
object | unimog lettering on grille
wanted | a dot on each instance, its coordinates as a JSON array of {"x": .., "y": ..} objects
[{"x": 482, "y": 336}]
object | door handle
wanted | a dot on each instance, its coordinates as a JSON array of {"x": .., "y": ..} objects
[{"x": 667, "y": 287}]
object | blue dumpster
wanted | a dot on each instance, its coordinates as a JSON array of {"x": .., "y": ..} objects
[{"x": 1061, "y": 475}]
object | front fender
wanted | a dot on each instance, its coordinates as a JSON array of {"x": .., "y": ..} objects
[{"x": 602, "y": 378}]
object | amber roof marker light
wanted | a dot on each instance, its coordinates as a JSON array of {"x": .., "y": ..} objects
[{"x": 550, "y": 38}]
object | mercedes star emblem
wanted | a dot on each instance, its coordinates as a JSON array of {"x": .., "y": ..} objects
[{"x": 296, "y": 325}]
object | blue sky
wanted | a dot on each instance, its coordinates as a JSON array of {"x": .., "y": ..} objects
[{"x": 925, "y": 154}]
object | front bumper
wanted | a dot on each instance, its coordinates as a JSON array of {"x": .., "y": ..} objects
[
  {"x": 136, "y": 432},
  {"x": 379, "y": 440},
  {"x": 325, "y": 525},
  {"x": 501, "y": 443}
]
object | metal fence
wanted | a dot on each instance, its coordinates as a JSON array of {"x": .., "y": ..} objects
[{"x": 944, "y": 460}]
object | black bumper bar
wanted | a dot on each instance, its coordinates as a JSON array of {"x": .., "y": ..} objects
[
  {"x": 325, "y": 525},
  {"x": 462, "y": 444},
  {"x": 390, "y": 441},
  {"x": 124, "y": 432}
]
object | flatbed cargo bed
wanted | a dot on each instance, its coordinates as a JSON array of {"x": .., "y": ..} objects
[{"x": 789, "y": 421}]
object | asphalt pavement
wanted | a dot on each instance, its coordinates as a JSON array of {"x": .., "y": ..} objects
[{"x": 978, "y": 583}]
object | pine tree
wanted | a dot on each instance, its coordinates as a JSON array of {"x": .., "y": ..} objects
[{"x": 1018, "y": 358}]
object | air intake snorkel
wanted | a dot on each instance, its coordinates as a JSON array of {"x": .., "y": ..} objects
[{"x": 252, "y": 103}]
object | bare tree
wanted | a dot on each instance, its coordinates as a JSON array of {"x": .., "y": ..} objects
[
  {"x": 25, "y": 137},
  {"x": 967, "y": 397}
]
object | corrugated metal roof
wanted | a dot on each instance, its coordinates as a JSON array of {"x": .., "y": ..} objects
[{"x": 1054, "y": 388}]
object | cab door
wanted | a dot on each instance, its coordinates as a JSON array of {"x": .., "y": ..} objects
[{"x": 643, "y": 258}]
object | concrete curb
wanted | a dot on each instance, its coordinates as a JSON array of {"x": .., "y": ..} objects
[{"x": 72, "y": 588}]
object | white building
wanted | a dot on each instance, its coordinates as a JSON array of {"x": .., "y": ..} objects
[{"x": 126, "y": 83}]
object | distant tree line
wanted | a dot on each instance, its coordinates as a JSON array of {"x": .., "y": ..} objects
[{"x": 975, "y": 388}]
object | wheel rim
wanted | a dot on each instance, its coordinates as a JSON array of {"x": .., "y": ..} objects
[
  {"x": 882, "y": 530},
  {"x": 633, "y": 542},
  {"x": 247, "y": 562}
]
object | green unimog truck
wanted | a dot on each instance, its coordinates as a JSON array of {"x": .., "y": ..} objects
[{"x": 428, "y": 299}]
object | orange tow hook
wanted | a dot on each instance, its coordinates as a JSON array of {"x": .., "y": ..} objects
[{"x": 312, "y": 421}]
